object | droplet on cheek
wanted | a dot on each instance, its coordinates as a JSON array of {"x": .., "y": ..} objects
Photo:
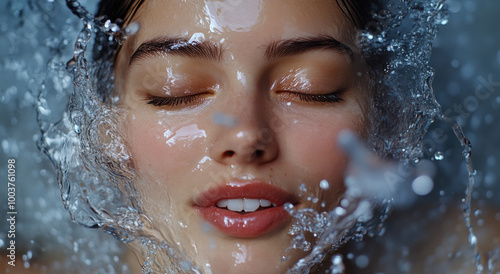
[
  {"x": 224, "y": 119},
  {"x": 324, "y": 184}
]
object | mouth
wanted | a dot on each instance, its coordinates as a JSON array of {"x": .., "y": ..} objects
[{"x": 244, "y": 209}]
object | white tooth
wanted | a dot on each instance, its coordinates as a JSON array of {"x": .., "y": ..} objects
[
  {"x": 274, "y": 204},
  {"x": 235, "y": 205},
  {"x": 250, "y": 205},
  {"x": 222, "y": 203},
  {"x": 264, "y": 203}
]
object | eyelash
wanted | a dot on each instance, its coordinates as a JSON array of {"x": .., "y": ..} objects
[
  {"x": 175, "y": 101},
  {"x": 196, "y": 98},
  {"x": 320, "y": 98}
]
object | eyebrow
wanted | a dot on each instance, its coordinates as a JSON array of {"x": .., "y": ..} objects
[
  {"x": 177, "y": 46},
  {"x": 296, "y": 46},
  {"x": 207, "y": 50}
]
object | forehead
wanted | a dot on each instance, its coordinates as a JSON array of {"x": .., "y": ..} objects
[{"x": 247, "y": 21}]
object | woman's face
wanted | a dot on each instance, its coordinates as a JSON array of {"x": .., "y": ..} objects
[{"x": 232, "y": 105}]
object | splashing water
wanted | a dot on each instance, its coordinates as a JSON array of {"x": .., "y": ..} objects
[
  {"x": 104, "y": 198},
  {"x": 123, "y": 218}
]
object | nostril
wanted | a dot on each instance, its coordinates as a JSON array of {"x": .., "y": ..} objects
[
  {"x": 255, "y": 155},
  {"x": 228, "y": 153},
  {"x": 259, "y": 153}
]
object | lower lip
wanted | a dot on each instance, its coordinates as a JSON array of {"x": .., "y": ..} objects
[{"x": 248, "y": 225}]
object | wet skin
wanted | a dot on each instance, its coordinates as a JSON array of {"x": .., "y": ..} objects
[{"x": 288, "y": 78}]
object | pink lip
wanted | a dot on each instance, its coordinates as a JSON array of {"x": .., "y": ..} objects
[{"x": 248, "y": 225}]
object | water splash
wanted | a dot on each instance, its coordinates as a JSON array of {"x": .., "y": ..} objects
[
  {"x": 412, "y": 51},
  {"x": 467, "y": 153},
  {"x": 88, "y": 136}
]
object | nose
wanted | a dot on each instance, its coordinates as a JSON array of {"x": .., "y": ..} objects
[{"x": 249, "y": 140}]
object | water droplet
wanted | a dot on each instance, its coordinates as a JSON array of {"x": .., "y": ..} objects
[
  {"x": 324, "y": 184},
  {"x": 362, "y": 261},
  {"x": 224, "y": 119},
  {"x": 337, "y": 265},
  {"x": 340, "y": 211},
  {"x": 77, "y": 129},
  {"x": 422, "y": 185},
  {"x": 472, "y": 239},
  {"x": 132, "y": 28},
  {"x": 303, "y": 188},
  {"x": 438, "y": 156}
]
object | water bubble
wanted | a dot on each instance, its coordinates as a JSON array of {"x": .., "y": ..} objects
[
  {"x": 337, "y": 265},
  {"x": 438, "y": 156},
  {"x": 132, "y": 28},
  {"x": 344, "y": 203},
  {"x": 340, "y": 211},
  {"x": 490, "y": 179},
  {"x": 472, "y": 239},
  {"x": 362, "y": 261},
  {"x": 468, "y": 71},
  {"x": 302, "y": 188},
  {"x": 324, "y": 184},
  {"x": 422, "y": 185}
]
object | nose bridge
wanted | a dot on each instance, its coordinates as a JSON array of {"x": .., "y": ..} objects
[
  {"x": 243, "y": 132},
  {"x": 249, "y": 112}
]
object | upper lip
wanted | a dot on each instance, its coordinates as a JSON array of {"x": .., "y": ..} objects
[{"x": 238, "y": 189}]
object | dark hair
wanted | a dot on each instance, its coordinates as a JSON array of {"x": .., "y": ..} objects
[
  {"x": 119, "y": 12},
  {"x": 359, "y": 12}
]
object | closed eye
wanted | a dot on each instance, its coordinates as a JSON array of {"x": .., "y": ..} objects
[
  {"x": 173, "y": 101},
  {"x": 332, "y": 97}
]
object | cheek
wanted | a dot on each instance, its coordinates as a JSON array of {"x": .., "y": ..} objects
[
  {"x": 162, "y": 150},
  {"x": 313, "y": 147}
]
